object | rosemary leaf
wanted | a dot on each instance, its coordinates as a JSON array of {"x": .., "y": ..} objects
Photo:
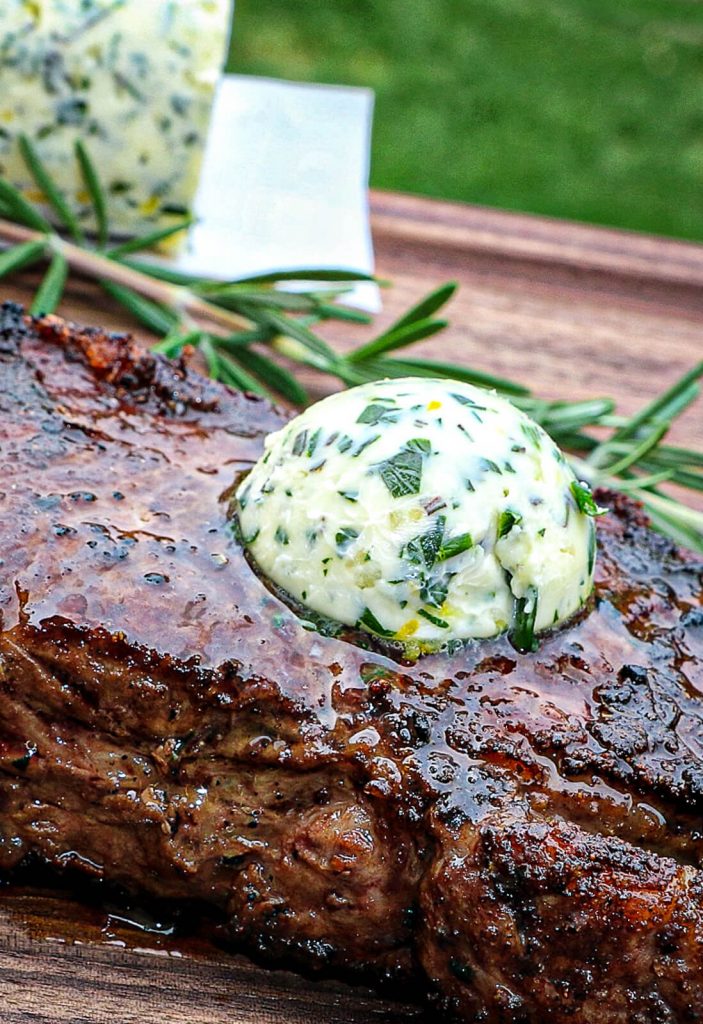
[
  {"x": 243, "y": 339},
  {"x": 20, "y": 256},
  {"x": 232, "y": 297},
  {"x": 16, "y": 207},
  {"x": 212, "y": 359},
  {"x": 682, "y": 401},
  {"x": 48, "y": 186},
  {"x": 91, "y": 181},
  {"x": 289, "y": 327},
  {"x": 154, "y": 316},
  {"x": 665, "y": 406},
  {"x": 643, "y": 482},
  {"x": 328, "y": 294},
  {"x": 149, "y": 241},
  {"x": 169, "y": 347},
  {"x": 237, "y": 377},
  {"x": 160, "y": 272},
  {"x": 397, "y": 337},
  {"x": 693, "y": 481},
  {"x": 431, "y": 368},
  {"x": 558, "y": 418},
  {"x": 174, "y": 342},
  {"x": 670, "y": 456},
  {"x": 51, "y": 289},
  {"x": 349, "y": 374},
  {"x": 425, "y": 309},
  {"x": 668, "y": 506},
  {"x": 278, "y": 378},
  {"x": 305, "y": 275},
  {"x": 576, "y": 442},
  {"x": 352, "y": 316},
  {"x": 667, "y": 519},
  {"x": 638, "y": 451}
]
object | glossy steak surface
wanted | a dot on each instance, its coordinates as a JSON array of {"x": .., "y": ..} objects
[{"x": 521, "y": 833}]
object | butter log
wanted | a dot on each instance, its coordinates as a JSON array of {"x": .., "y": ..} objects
[{"x": 133, "y": 79}]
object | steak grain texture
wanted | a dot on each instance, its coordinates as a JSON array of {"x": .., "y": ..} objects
[{"x": 519, "y": 834}]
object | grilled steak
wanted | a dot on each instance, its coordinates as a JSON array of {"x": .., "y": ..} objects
[{"x": 524, "y": 829}]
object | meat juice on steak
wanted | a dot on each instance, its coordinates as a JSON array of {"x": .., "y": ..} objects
[{"x": 522, "y": 830}]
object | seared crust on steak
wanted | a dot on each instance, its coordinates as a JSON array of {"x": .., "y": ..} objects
[{"x": 525, "y": 829}]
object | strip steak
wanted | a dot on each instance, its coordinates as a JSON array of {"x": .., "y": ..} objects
[{"x": 523, "y": 831}]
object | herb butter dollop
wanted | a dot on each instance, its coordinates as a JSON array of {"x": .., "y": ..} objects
[{"x": 423, "y": 511}]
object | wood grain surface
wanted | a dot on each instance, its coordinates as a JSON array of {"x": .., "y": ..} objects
[
  {"x": 62, "y": 962},
  {"x": 571, "y": 311}
]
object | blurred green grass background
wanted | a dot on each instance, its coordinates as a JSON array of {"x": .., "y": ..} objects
[{"x": 588, "y": 109}]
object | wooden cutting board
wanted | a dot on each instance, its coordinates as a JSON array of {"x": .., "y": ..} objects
[{"x": 571, "y": 311}]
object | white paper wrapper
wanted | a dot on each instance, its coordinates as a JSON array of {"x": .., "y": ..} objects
[{"x": 285, "y": 183}]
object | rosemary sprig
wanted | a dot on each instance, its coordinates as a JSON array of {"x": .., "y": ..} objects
[
  {"x": 95, "y": 191},
  {"x": 51, "y": 288},
  {"x": 634, "y": 461},
  {"x": 242, "y": 326},
  {"x": 52, "y": 194}
]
